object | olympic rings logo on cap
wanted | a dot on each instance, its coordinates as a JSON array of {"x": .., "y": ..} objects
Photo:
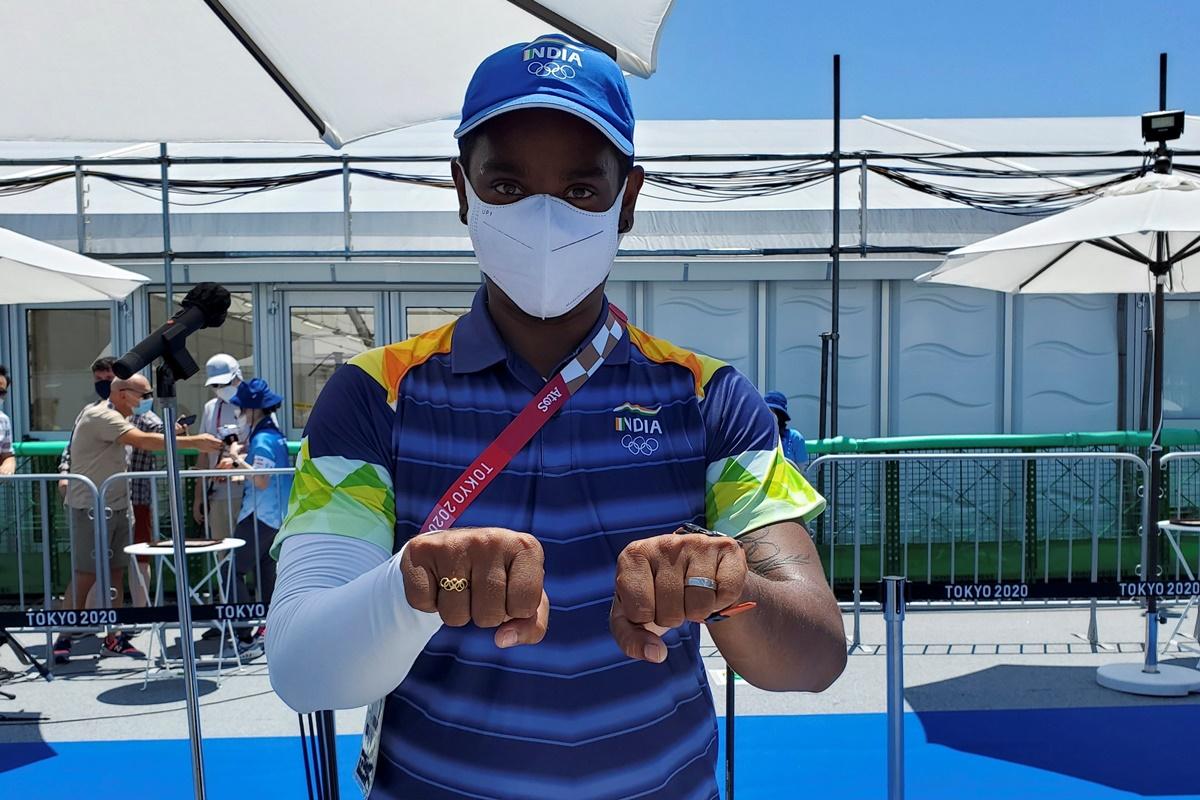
[
  {"x": 551, "y": 69},
  {"x": 640, "y": 445}
]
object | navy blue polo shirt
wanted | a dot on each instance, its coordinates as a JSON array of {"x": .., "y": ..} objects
[{"x": 657, "y": 437}]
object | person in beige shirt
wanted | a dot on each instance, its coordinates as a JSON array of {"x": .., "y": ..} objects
[{"x": 99, "y": 445}]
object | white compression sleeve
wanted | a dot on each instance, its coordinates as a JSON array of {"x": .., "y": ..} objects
[{"x": 340, "y": 633}]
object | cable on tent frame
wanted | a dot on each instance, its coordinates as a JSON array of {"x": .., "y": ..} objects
[{"x": 926, "y": 173}]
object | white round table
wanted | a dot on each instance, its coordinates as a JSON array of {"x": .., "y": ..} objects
[{"x": 221, "y": 551}]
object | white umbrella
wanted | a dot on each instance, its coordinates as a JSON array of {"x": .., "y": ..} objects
[
  {"x": 1102, "y": 246},
  {"x": 1134, "y": 235},
  {"x": 274, "y": 70},
  {"x": 36, "y": 272}
]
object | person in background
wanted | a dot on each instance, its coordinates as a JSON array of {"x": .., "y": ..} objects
[
  {"x": 794, "y": 449},
  {"x": 217, "y": 500},
  {"x": 98, "y": 445},
  {"x": 8, "y": 459},
  {"x": 102, "y": 377},
  {"x": 266, "y": 496}
]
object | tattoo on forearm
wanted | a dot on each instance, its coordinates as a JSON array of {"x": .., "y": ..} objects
[{"x": 764, "y": 557}]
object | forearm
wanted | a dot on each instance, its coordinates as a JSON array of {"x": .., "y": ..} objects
[
  {"x": 8, "y": 464},
  {"x": 793, "y": 640},
  {"x": 347, "y": 596}
]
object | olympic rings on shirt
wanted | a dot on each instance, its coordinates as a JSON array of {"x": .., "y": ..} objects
[{"x": 640, "y": 445}]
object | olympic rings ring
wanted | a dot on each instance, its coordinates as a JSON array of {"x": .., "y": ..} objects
[
  {"x": 640, "y": 445},
  {"x": 453, "y": 584},
  {"x": 551, "y": 69}
]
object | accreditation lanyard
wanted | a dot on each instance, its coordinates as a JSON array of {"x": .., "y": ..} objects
[
  {"x": 544, "y": 405},
  {"x": 491, "y": 462}
]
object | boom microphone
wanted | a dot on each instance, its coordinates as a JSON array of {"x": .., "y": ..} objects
[{"x": 203, "y": 307}]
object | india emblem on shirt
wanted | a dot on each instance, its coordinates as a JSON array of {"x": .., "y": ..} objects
[{"x": 633, "y": 418}]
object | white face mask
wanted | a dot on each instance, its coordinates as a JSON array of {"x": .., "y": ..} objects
[
  {"x": 226, "y": 392},
  {"x": 544, "y": 253}
]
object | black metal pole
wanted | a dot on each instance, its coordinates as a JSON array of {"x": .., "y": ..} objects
[
  {"x": 823, "y": 411},
  {"x": 1152, "y": 541},
  {"x": 1122, "y": 361},
  {"x": 1162, "y": 81},
  {"x": 836, "y": 250},
  {"x": 730, "y": 714}
]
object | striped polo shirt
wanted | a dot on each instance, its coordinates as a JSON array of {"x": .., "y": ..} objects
[{"x": 657, "y": 437}]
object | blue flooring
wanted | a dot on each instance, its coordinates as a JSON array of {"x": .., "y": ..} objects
[{"x": 1102, "y": 753}]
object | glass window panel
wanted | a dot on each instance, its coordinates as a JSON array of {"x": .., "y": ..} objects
[
  {"x": 422, "y": 319},
  {"x": 1181, "y": 373},
  {"x": 235, "y": 337},
  {"x": 323, "y": 339},
  {"x": 63, "y": 343}
]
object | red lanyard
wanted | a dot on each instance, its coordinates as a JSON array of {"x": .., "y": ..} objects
[{"x": 544, "y": 405}]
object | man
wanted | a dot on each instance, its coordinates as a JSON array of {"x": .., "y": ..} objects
[
  {"x": 8, "y": 459},
  {"x": 216, "y": 500},
  {"x": 586, "y": 520},
  {"x": 102, "y": 378},
  {"x": 98, "y": 451},
  {"x": 794, "y": 449}
]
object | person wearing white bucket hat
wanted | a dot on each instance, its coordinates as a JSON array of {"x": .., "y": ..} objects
[{"x": 216, "y": 502}]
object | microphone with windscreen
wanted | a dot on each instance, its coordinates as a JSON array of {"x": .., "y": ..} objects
[{"x": 203, "y": 307}]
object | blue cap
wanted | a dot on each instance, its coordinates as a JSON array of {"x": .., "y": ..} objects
[
  {"x": 777, "y": 401},
  {"x": 255, "y": 393},
  {"x": 552, "y": 71}
]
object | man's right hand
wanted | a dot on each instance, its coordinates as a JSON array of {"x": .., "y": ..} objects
[
  {"x": 204, "y": 442},
  {"x": 503, "y": 573}
]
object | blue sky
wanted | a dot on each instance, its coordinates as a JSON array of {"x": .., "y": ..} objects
[{"x": 922, "y": 58}]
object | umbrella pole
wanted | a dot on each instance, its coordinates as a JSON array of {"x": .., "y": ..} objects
[{"x": 1155, "y": 488}]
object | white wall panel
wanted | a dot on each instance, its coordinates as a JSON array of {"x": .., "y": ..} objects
[
  {"x": 947, "y": 360},
  {"x": 1065, "y": 367},
  {"x": 716, "y": 318},
  {"x": 799, "y": 313}
]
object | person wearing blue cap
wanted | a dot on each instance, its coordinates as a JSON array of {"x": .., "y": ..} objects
[
  {"x": 540, "y": 637},
  {"x": 794, "y": 448},
  {"x": 265, "y": 496}
]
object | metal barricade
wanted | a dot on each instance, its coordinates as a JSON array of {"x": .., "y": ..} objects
[
  {"x": 1182, "y": 489},
  {"x": 1181, "y": 482},
  {"x": 219, "y": 517},
  {"x": 37, "y": 559},
  {"x": 972, "y": 517}
]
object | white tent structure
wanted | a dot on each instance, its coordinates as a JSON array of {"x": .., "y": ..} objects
[
  {"x": 274, "y": 70},
  {"x": 37, "y": 272}
]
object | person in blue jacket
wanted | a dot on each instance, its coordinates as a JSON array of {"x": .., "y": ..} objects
[
  {"x": 794, "y": 449},
  {"x": 265, "y": 499}
]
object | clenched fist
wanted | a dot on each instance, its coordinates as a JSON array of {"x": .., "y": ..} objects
[
  {"x": 652, "y": 592},
  {"x": 489, "y": 576}
]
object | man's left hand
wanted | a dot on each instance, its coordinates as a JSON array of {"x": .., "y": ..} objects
[{"x": 652, "y": 595}]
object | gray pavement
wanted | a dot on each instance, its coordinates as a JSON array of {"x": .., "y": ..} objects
[{"x": 955, "y": 660}]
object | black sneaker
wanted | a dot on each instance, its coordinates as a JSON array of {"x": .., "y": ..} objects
[
  {"x": 210, "y": 634},
  {"x": 119, "y": 644},
  {"x": 62, "y": 649}
]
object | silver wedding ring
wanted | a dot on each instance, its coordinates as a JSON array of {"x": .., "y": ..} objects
[{"x": 701, "y": 583}]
